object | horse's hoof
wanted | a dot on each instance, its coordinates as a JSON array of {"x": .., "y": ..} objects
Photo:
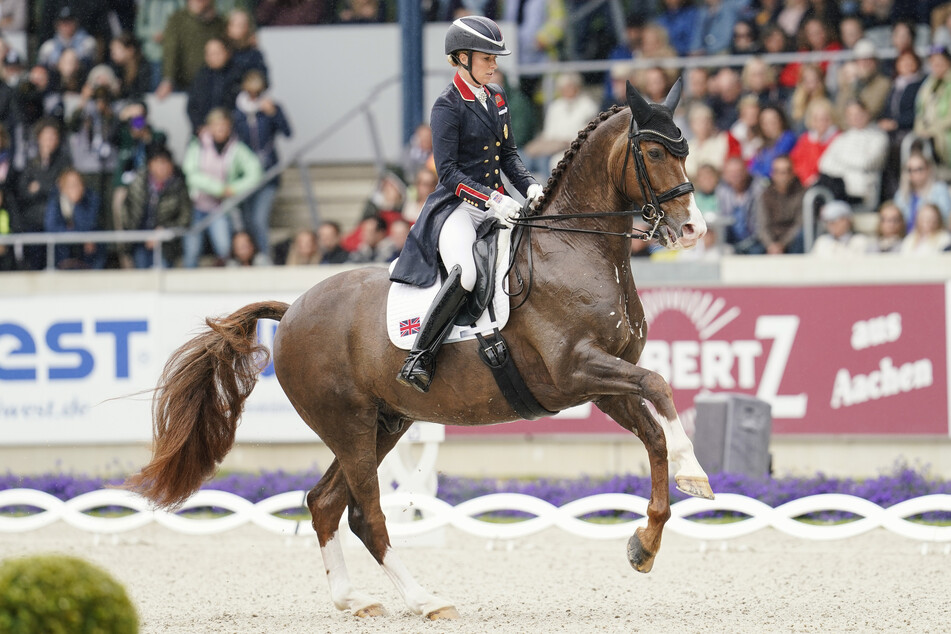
[
  {"x": 370, "y": 611},
  {"x": 642, "y": 560},
  {"x": 696, "y": 487},
  {"x": 447, "y": 613}
]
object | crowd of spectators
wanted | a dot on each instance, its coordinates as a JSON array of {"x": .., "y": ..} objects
[{"x": 78, "y": 151}]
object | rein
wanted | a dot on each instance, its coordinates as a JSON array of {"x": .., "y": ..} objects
[{"x": 651, "y": 212}]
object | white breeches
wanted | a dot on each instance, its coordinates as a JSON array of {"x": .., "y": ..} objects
[{"x": 456, "y": 238}]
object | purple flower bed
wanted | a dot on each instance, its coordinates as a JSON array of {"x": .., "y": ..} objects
[{"x": 901, "y": 484}]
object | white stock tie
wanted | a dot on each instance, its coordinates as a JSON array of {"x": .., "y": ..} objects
[{"x": 481, "y": 96}]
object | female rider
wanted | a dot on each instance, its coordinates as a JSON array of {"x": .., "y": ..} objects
[{"x": 472, "y": 146}]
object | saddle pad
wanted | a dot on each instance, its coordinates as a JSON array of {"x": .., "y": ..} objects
[{"x": 406, "y": 306}]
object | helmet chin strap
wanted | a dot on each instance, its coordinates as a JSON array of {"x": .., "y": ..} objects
[{"x": 468, "y": 67}]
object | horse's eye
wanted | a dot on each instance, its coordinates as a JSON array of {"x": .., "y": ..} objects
[{"x": 655, "y": 154}]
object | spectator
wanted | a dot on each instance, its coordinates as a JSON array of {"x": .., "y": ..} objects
[
  {"x": 707, "y": 145},
  {"x": 933, "y": 104},
  {"x": 776, "y": 139},
  {"x": 839, "y": 239},
  {"x": 861, "y": 80},
  {"x": 791, "y": 16},
  {"x": 399, "y": 231},
  {"x": 655, "y": 44},
  {"x": 628, "y": 49},
  {"x": 35, "y": 99},
  {"x": 130, "y": 67},
  {"x": 35, "y": 185},
  {"x": 92, "y": 128},
  {"x": 696, "y": 90},
  {"x": 903, "y": 41},
  {"x": 745, "y": 38},
  {"x": 217, "y": 166},
  {"x": 92, "y": 16},
  {"x": 386, "y": 203},
  {"x": 151, "y": 18},
  {"x": 616, "y": 94},
  {"x": 652, "y": 84},
  {"x": 69, "y": 35},
  {"x": 245, "y": 55},
  {"x": 919, "y": 186},
  {"x": 419, "y": 151},
  {"x": 183, "y": 44},
  {"x": 72, "y": 207},
  {"x": 7, "y": 259},
  {"x": 779, "y": 210},
  {"x": 679, "y": 19},
  {"x": 374, "y": 246},
  {"x": 775, "y": 40},
  {"x": 759, "y": 79},
  {"x": 809, "y": 88},
  {"x": 714, "y": 26},
  {"x": 567, "y": 113},
  {"x": 726, "y": 91},
  {"x": 815, "y": 37},
  {"x": 705, "y": 193},
  {"x": 851, "y": 30},
  {"x": 304, "y": 249},
  {"x": 12, "y": 69},
  {"x": 70, "y": 74},
  {"x": 423, "y": 185},
  {"x": 812, "y": 144},
  {"x": 736, "y": 194},
  {"x": 746, "y": 127},
  {"x": 157, "y": 199},
  {"x": 244, "y": 253},
  {"x": 852, "y": 164},
  {"x": 898, "y": 116},
  {"x": 927, "y": 236},
  {"x": 292, "y": 12},
  {"x": 328, "y": 238},
  {"x": 135, "y": 137},
  {"x": 891, "y": 229},
  {"x": 216, "y": 85},
  {"x": 258, "y": 122}
]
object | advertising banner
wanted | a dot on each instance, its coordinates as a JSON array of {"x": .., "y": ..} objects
[
  {"x": 80, "y": 369},
  {"x": 829, "y": 360}
]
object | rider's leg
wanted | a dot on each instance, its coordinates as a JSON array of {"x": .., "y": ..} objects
[{"x": 455, "y": 247}]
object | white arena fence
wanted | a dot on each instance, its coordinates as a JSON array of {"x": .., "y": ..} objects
[{"x": 413, "y": 515}]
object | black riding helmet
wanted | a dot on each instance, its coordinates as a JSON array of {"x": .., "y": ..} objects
[{"x": 474, "y": 33}]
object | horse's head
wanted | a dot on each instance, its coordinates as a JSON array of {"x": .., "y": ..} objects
[{"x": 657, "y": 149}]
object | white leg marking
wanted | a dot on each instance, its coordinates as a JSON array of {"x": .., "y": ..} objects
[
  {"x": 341, "y": 590},
  {"x": 680, "y": 449},
  {"x": 417, "y": 599}
]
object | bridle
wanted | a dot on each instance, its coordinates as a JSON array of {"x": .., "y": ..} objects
[{"x": 651, "y": 211}]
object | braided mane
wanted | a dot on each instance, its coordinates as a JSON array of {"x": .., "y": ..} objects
[{"x": 572, "y": 150}]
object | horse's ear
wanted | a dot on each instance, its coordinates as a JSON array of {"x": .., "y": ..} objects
[
  {"x": 640, "y": 109},
  {"x": 673, "y": 97}
]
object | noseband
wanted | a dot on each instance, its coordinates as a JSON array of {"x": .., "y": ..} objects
[{"x": 651, "y": 212}]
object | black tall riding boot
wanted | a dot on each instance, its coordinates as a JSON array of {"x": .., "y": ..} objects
[{"x": 420, "y": 364}]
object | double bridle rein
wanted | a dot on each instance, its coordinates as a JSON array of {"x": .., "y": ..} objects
[{"x": 651, "y": 212}]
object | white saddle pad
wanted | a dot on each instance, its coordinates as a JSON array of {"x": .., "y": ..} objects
[{"x": 406, "y": 306}]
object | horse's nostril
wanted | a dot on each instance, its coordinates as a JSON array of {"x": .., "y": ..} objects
[{"x": 688, "y": 230}]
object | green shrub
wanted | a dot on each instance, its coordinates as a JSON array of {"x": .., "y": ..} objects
[{"x": 56, "y": 594}]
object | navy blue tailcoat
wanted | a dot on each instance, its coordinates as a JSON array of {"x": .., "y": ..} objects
[{"x": 471, "y": 146}]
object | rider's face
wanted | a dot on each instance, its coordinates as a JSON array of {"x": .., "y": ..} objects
[{"x": 483, "y": 67}]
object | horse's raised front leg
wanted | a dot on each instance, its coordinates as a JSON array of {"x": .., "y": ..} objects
[
  {"x": 360, "y": 488},
  {"x": 631, "y": 413},
  {"x": 606, "y": 374}
]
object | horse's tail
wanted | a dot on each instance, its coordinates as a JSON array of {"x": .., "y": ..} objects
[{"x": 198, "y": 401}]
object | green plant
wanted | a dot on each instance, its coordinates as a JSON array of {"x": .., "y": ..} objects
[{"x": 58, "y": 594}]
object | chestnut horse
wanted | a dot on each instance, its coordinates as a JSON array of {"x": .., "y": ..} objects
[{"x": 576, "y": 338}]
